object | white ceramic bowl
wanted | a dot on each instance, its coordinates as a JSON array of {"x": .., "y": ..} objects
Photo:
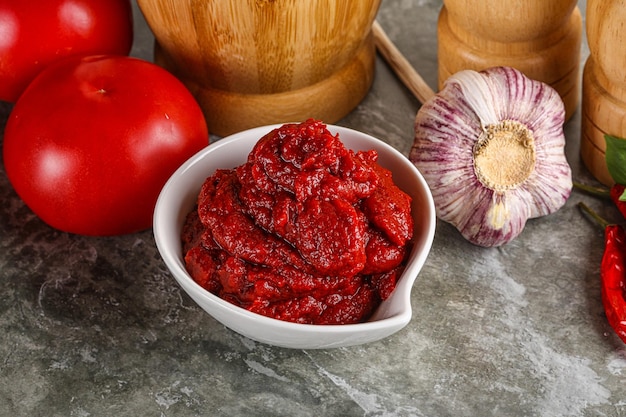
[{"x": 179, "y": 196}]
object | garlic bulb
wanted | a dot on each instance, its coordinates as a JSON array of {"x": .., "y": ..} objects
[{"x": 490, "y": 145}]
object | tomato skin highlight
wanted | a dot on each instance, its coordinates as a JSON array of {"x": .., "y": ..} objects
[
  {"x": 35, "y": 33},
  {"x": 92, "y": 140}
]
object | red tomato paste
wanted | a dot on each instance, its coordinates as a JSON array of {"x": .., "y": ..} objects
[{"x": 305, "y": 231}]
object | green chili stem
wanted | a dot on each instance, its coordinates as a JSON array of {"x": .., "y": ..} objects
[
  {"x": 595, "y": 216},
  {"x": 597, "y": 191}
]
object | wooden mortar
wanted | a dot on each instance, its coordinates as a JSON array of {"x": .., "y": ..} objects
[
  {"x": 604, "y": 84},
  {"x": 256, "y": 62},
  {"x": 541, "y": 38}
]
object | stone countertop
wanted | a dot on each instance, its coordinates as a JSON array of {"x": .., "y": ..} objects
[{"x": 98, "y": 327}]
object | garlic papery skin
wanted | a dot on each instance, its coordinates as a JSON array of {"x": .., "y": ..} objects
[{"x": 491, "y": 147}]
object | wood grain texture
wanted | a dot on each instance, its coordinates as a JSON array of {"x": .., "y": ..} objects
[
  {"x": 266, "y": 60},
  {"x": 592, "y": 156},
  {"x": 604, "y": 83},
  {"x": 329, "y": 100},
  {"x": 540, "y": 38}
]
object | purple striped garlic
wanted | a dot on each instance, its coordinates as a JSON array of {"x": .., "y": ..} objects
[{"x": 491, "y": 145}]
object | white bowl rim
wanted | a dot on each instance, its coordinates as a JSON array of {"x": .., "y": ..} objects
[{"x": 177, "y": 269}]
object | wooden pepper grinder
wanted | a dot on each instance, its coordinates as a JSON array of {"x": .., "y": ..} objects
[
  {"x": 604, "y": 83},
  {"x": 538, "y": 37}
]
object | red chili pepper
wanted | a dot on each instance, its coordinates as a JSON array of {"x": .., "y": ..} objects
[
  {"x": 617, "y": 191},
  {"x": 613, "y": 275}
]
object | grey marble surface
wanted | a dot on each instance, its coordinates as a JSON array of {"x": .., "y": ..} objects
[{"x": 98, "y": 327}]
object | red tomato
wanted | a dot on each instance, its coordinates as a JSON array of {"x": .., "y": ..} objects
[
  {"x": 34, "y": 33},
  {"x": 92, "y": 140}
]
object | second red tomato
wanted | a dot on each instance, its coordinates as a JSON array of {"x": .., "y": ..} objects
[{"x": 34, "y": 33}]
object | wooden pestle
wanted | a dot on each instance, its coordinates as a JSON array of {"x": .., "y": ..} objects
[{"x": 399, "y": 64}]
